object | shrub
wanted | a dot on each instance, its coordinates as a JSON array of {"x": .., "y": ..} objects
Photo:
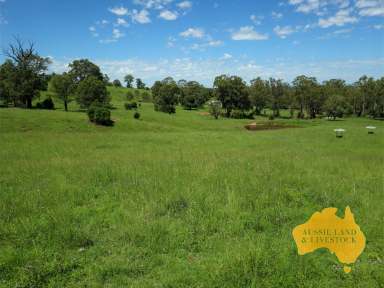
[
  {"x": 271, "y": 117},
  {"x": 300, "y": 115},
  {"x": 165, "y": 95},
  {"x": 100, "y": 115},
  {"x": 91, "y": 90},
  {"x": 238, "y": 114},
  {"x": 215, "y": 108},
  {"x": 130, "y": 96},
  {"x": 46, "y": 104},
  {"x": 136, "y": 115},
  {"x": 146, "y": 97},
  {"x": 130, "y": 106}
]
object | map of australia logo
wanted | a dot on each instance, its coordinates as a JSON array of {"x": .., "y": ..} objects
[{"x": 341, "y": 236}]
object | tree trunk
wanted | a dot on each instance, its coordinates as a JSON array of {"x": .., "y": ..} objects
[
  {"x": 29, "y": 103},
  {"x": 65, "y": 106}
]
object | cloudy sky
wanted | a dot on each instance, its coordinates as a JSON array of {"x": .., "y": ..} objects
[{"x": 198, "y": 40}]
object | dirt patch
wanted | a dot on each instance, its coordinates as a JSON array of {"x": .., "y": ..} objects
[
  {"x": 204, "y": 113},
  {"x": 267, "y": 126}
]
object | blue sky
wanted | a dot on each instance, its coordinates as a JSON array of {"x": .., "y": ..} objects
[{"x": 198, "y": 40}]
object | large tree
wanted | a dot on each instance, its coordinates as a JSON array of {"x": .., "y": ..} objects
[
  {"x": 277, "y": 95},
  {"x": 83, "y": 68},
  {"x": 193, "y": 95},
  {"x": 92, "y": 90},
  {"x": 232, "y": 92},
  {"x": 28, "y": 72},
  {"x": 63, "y": 86},
  {"x": 305, "y": 88},
  {"x": 8, "y": 91},
  {"x": 165, "y": 95},
  {"x": 259, "y": 94},
  {"x": 116, "y": 83},
  {"x": 367, "y": 89},
  {"x": 140, "y": 84},
  {"x": 128, "y": 79}
]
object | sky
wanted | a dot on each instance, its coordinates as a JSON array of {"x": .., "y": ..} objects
[{"x": 199, "y": 40}]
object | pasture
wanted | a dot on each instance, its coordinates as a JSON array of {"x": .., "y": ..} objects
[{"x": 181, "y": 200}]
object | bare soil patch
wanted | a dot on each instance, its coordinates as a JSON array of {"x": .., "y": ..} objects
[{"x": 260, "y": 126}]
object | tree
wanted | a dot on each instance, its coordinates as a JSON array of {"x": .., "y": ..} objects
[
  {"x": 92, "y": 90},
  {"x": 128, "y": 79},
  {"x": 304, "y": 88},
  {"x": 193, "y": 95},
  {"x": 277, "y": 94},
  {"x": 82, "y": 69},
  {"x": 379, "y": 111},
  {"x": 335, "y": 106},
  {"x": 215, "y": 108},
  {"x": 367, "y": 89},
  {"x": 8, "y": 92},
  {"x": 140, "y": 84},
  {"x": 106, "y": 80},
  {"x": 232, "y": 92},
  {"x": 259, "y": 94},
  {"x": 117, "y": 83},
  {"x": 165, "y": 95},
  {"x": 27, "y": 72},
  {"x": 63, "y": 86}
]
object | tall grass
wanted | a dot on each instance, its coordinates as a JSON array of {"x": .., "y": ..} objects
[{"x": 180, "y": 200}]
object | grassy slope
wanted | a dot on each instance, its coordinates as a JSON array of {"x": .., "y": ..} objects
[{"x": 180, "y": 200}]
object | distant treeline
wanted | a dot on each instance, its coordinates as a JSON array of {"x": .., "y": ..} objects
[
  {"x": 23, "y": 75},
  {"x": 305, "y": 97}
]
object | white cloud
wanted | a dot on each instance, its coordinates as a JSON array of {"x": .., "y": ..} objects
[
  {"x": 185, "y": 5},
  {"x": 153, "y": 4},
  {"x": 168, "y": 15},
  {"x": 342, "y": 31},
  {"x": 248, "y": 33},
  {"x": 121, "y": 22},
  {"x": 226, "y": 56},
  {"x": 117, "y": 34},
  {"x": 276, "y": 15},
  {"x": 295, "y": 2},
  {"x": 283, "y": 32},
  {"x": 193, "y": 33},
  {"x": 256, "y": 19},
  {"x": 215, "y": 43},
  {"x": 93, "y": 31},
  {"x": 370, "y": 7},
  {"x": 119, "y": 11},
  {"x": 341, "y": 18},
  {"x": 378, "y": 27},
  {"x": 171, "y": 42},
  {"x": 205, "y": 70},
  {"x": 141, "y": 17}
]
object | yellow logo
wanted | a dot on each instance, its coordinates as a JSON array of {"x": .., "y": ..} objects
[{"x": 326, "y": 230}]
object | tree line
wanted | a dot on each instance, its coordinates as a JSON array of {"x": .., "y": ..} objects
[
  {"x": 305, "y": 97},
  {"x": 24, "y": 74}
]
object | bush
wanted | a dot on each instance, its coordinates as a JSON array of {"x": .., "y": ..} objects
[
  {"x": 130, "y": 96},
  {"x": 238, "y": 114},
  {"x": 146, "y": 97},
  {"x": 46, "y": 104},
  {"x": 271, "y": 117},
  {"x": 130, "y": 106},
  {"x": 300, "y": 115},
  {"x": 136, "y": 115},
  {"x": 92, "y": 90},
  {"x": 99, "y": 115},
  {"x": 215, "y": 108}
]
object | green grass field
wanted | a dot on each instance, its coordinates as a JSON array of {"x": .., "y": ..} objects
[{"x": 181, "y": 200}]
